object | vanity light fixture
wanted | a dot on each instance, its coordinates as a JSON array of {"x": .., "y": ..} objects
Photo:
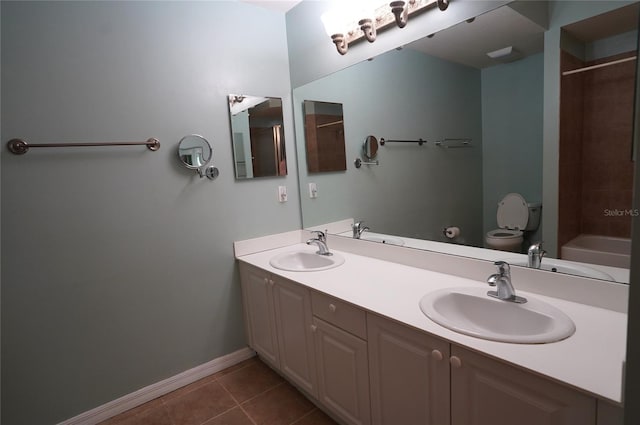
[{"x": 355, "y": 20}]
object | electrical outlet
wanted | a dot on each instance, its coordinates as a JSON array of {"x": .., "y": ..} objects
[
  {"x": 282, "y": 193},
  {"x": 313, "y": 190}
]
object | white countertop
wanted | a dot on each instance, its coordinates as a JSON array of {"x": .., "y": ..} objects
[{"x": 590, "y": 360}]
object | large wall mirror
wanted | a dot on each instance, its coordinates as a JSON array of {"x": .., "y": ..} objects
[
  {"x": 324, "y": 136},
  {"x": 257, "y": 134},
  {"x": 484, "y": 80}
]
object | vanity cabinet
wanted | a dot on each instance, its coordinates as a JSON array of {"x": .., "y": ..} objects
[
  {"x": 279, "y": 325},
  {"x": 420, "y": 379},
  {"x": 259, "y": 315},
  {"x": 341, "y": 354},
  {"x": 487, "y": 391},
  {"x": 364, "y": 368},
  {"x": 409, "y": 375}
]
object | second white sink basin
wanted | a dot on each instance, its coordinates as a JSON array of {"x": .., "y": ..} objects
[
  {"x": 472, "y": 312},
  {"x": 305, "y": 261},
  {"x": 550, "y": 265}
]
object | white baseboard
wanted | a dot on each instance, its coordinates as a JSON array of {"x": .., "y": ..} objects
[{"x": 153, "y": 391}]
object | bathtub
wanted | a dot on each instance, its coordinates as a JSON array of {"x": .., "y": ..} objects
[{"x": 593, "y": 249}]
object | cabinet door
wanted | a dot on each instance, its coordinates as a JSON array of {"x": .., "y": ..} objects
[
  {"x": 343, "y": 375},
  {"x": 259, "y": 315},
  {"x": 409, "y": 375},
  {"x": 486, "y": 391},
  {"x": 295, "y": 336}
]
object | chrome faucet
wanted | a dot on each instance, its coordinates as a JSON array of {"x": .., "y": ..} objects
[
  {"x": 358, "y": 229},
  {"x": 535, "y": 254},
  {"x": 502, "y": 280},
  {"x": 321, "y": 241}
]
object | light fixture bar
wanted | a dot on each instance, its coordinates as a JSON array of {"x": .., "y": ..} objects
[{"x": 385, "y": 18}]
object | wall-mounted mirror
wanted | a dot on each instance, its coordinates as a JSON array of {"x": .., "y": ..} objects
[
  {"x": 257, "y": 131},
  {"x": 324, "y": 136},
  {"x": 447, "y": 86},
  {"x": 195, "y": 153}
]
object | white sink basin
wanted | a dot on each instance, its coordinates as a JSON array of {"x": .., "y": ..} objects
[
  {"x": 471, "y": 311},
  {"x": 305, "y": 261},
  {"x": 390, "y": 240},
  {"x": 550, "y": 265}
]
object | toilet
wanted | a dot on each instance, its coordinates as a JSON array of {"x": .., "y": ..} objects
[{"x": 514, "y": 217}]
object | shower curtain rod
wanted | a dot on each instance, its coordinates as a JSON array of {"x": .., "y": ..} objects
[
  {"x": 330, "y": 124},
  {"x": 600, "y": 65}
]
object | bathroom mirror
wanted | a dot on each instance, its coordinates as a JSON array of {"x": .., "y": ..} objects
[
  {"x": 457, "y": 91},
  {"x": 194, "y": 151},
  {"x": 257, "y": 132},
  {"x": 324, "y": 136},
  {"x": 370, "y": 148}
]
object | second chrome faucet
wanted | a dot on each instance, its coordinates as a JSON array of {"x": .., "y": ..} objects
[{"x": 358, "y": 229}]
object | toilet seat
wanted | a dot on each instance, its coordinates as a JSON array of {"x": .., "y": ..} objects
[
  {"x": 513, "y": 212},
  {"x": 504, "y": 234}
]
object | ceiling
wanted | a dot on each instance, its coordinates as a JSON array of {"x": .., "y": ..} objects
[
  {"x": 519, "y": 27},
  {"x": 468, "y": 43},
  {"x": 278, "y": 5},
  {"x": 606, "y": 25}
]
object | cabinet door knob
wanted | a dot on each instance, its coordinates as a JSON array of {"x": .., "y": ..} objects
[
  {"x": 314, "y": 328},
  {"x": 332, "y": 308},
  {"x": 266, "y": 280},
  {"x": 455, "y": 362},
  {"x": 271, "y": 282},
  {"x": 436, "y": 354}
]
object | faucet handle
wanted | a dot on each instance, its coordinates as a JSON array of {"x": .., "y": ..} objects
[
  {"x": 503, "y": 268},
  {"x": 322, "y": 236}
]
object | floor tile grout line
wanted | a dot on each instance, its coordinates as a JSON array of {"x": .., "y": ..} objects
[
  {"x": 304, "y": 416},
  {"x": 218, "y": 415},
  {"x": 238, "y": 404},
  {"x": 263, "y": 392},
  {"x": 206, "y": 380}
]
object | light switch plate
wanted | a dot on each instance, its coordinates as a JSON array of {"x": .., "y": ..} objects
[
  {"x": 282, "y": 193},
  {"x": 313, "y": 190}
]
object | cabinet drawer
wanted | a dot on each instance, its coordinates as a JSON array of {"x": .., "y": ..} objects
[{"x": 339, "y": 313}]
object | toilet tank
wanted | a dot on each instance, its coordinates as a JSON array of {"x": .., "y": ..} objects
[{"x": 535, "y": 211}]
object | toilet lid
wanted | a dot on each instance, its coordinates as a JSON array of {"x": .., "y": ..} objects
[{"x": 513, "y": 212}]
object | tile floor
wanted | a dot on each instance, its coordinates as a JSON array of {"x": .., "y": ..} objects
[{"x": 249, "y": 393}]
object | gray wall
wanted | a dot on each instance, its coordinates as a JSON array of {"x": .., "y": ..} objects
[
  {"x": 416, "y": 190},
  {"x": 512, "y": 133},
  {"x": 117, "y": 264}
]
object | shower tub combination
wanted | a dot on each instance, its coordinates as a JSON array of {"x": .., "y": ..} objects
[{"x": 603, "y": 250}]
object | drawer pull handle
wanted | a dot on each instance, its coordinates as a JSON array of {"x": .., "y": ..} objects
[
  {"x": 437, "y": 355},
  {"x": 332, "y": 308},
  {"x": 266, "y": 280},
  {"x": 271, "y": 282},
  {"x": 314, "y": 328},
  {"x": 455, "y": 362}
]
